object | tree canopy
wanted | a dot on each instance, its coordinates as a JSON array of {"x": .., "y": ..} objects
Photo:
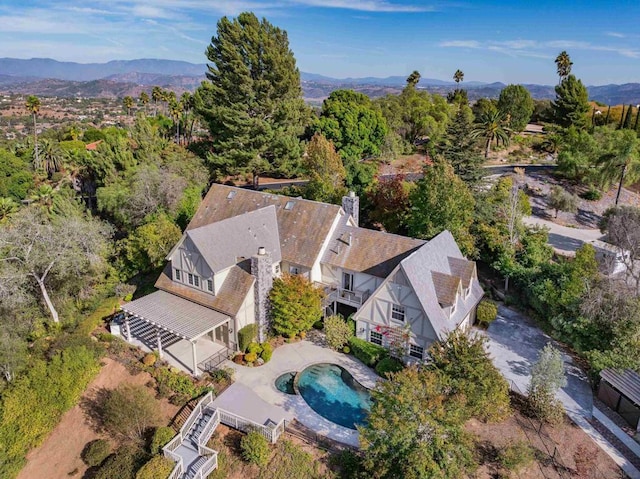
[
  {"x": 571, "y": 104},
  {"x": 516, "y": 103},
  {"x": 252, "y": 99}
]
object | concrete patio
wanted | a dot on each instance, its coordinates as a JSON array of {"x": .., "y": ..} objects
[{"x": 296, "y": 357}]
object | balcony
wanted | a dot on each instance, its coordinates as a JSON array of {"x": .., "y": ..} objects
[{"x": 341, "y": 295}]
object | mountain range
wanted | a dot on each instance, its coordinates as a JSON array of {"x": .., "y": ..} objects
[{"x": 118, "y": 78}]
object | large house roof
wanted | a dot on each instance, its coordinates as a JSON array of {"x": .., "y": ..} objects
[
  {"x": 227, "y": 242},
  {"x": 369, "y": 251},
  {"x": 435, "y": 272},
  {"x": 234, "y": 290},
  {"x": 303, "y": 225}
]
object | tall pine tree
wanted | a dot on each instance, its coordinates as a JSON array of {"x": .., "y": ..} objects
[
  {"x": 252, "y": 101},
  {"x": 572, "y": 103},
  {"x": 460, "y": 148}
]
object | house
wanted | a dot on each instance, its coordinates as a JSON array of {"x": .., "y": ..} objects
[{"x": 217, "y": 278}]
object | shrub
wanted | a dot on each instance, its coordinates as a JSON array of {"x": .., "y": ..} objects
[
  {"x": 346, "y": 350},
  {"x": 388, "y": 365},
  {"x": 487, "y": 312},
  {"x": 123, "y": 464},
  {"x": 254, "y": 348},
  {"x": 337, "y": 331},
  {"x": 318, "y": 325},
  {"x": 516, "y": 456},
  {"x": 302, "y": 334},
  {"x": 547, "y": 376},
  {"x": 149, "y": 359},
  {"x": 129, "y": 411},
  {"x": 246, "y": 335},
  {"x": 250, "y": 357},
  {"x": 221, "y": 375},
  {"x": 161, "y": 436},
  {"x": 169, "y": 379},
  {"x": 367, "y": 352},
  {"x": 107, "y": 337},
  {"x": 33, "y": 404},
  {"x": 159, "y": 467},
  {"x": 592, "y": 194},
  {"x": 267, "y": 351},
  {"x": 128, "y": 297},
  {"x": 95, "y": 452},
  {"x": 255, "y": 448}
]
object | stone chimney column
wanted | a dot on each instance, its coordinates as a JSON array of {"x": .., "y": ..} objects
[
  {"x": 351, "y": 206},
  {"x": 261, "y": 269}
]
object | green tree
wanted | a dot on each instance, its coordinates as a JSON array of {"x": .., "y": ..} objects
[
  {"x": 255, "y": 449},
  {"x": 458, "y": 146},
  {"x": 7, "y": 207},
  {"x": 128, "y": 103},
  {"x": 578, "y": 153},
  {"x": 563, "y": 65},
  {"x": 50, "y": 157},
  {"x": 325, "y": 169},
  {"x": 295, "y": 305},
  {"x": 156, "y": 96},
  {"x": 621, "y": 225},
  {"x": 175, "y": 110},
  {"x": 157, "y": 467},
  {"x": 458, "y": 76},
  {"x": 129, "y": 411},
  {"x": 516, "y": 103},
  {"x": 415, "y": 429},
  {"x": 252, "y": 101},
  {"x": 15, "y": 177},
  {"x": 337, "y": 331},
  {"x": 463, "y": 359},
  {"x": 144, "y": 100},
  {"x": 33, "y": 107},
  {"x": 388, "y": 203},
  {"x": 571, "y": 105},
  {"x": 413, "y": 79},
  {"x": 547, "y": 376},
  {"x": 358, "y": 130},
  {"x": 491, "y": 126},
  {"x": 561, "y": 200},
  {"x": 621, "y": 162},
  {"x": 442, "y": 201}
]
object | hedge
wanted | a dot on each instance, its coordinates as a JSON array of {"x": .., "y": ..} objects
[
  {"x": 161, "y": 436},
  {"x": 388, "y": 365},
  {"x": 246, "y": 335},
  {"x": 487, "y": 312},
  {"x": 33, "y": 404},
  {"x": 95, "y": 452},
  {"x": 367, "y": 352},
  {"x": 159, "y": 467}
]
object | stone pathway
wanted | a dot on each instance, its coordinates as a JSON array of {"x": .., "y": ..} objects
[{"x": 615, "y": 436}]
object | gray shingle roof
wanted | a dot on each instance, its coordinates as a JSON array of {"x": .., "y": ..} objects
[
  {"x": 303, "y": 228},
  {"x": 176, "y": 315},
  {"x": 223, "y": 243},
  {"x": 373, "y": 252},
  {"x": 626, "y": 382},
  {"x": 419, "y": 268}
]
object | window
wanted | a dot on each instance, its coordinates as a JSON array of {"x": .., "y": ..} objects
[
  {"x": 177, "y": 274},
  {"x": 375, "y": 338},
  {"x": 416, "y": 351},
  {"x": 397, "y": 312},
  {"x": 190, "y": 278},
  {"x": 277, "y": 269},
  {"x": 289, "y": 205},
  {"x": 231, "y": 194},
  {"x": 196, "y": 280},
  {"x": 210, "y": 285},
  {"x": 294, "y": 270},
  {"x": 347, "y": 281}
]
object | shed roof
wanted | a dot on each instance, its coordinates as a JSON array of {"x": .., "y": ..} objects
[
  {"x": 176, "y": 315},
  {"x": 626, "y": 381},
  {"x": 303, "y": 225}
]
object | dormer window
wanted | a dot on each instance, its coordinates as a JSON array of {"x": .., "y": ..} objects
[
  {"x": 398, "y": 312},
  {"x": 177, "y": 275},
  {"x": 196, "y": 280},
  {"x": 190, "y": 278},
  {"x": 210, "y": 285}
]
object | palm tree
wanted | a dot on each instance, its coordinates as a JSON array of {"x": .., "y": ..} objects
[
  {"x": 413, "y": 79},
  {"x": 175, "y": 108},
  {"x": 128, "y": 104},
  {"x": 51, "y": 158},
  {"x": 156, "y": 96},
  {"x": 623, "y": 163},
  {"x": 33, "y": 106},
  {"x": 7, "y": 207},
  {"x": 44, "y": 196},
  {"x": 490, "y": 126},
  {"x": 144, "y": 99},
  {"x": 563, "y": 65},
  {"x": 458, "y": 76}
]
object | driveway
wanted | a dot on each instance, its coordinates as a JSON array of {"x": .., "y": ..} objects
[
  {"x": 563, "y": 239},
  {"x": 515, "y": 343}
]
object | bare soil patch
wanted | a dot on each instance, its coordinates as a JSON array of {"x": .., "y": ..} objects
[{"x": 59, "y": 455}]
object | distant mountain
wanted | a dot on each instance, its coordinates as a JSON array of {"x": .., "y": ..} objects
[{"x": 47, "y": 77}]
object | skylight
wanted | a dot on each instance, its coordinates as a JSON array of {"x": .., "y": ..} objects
[
  {"x": 231, "y": 195},
  {"x": 289, "y": 205}
]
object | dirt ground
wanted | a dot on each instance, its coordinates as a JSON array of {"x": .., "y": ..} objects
[
  {"x": 563, "y": 451},
  {"x": 59, "y": 456}
]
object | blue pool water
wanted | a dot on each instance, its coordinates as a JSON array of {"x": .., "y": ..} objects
[
  {"x": 284, "y": 383},
  {"x": 334, "y": 394}
]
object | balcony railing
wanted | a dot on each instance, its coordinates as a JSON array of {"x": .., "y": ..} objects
[{"x": 356, "y": 298}]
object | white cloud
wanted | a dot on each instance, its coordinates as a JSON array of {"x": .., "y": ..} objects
[
  {"x": 461, "y": 44},
  {"x": 615, "y": 34}
]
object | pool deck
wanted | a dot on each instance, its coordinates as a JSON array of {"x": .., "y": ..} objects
[{"x": 296, "y": 357}]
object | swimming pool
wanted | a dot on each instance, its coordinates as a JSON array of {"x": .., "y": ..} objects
[{"x": 334, "y": 394}]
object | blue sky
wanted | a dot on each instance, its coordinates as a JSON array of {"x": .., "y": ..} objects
[{"x": 508, "y": 41}]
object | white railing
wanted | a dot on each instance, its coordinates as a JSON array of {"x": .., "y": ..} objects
[
  {"x": 207, "y": 430},
  {"x": 247, "y": 425},
  {"x": 210, "y": 464},
  {"x": 178, "y": 471},
  {"x": 353, "y": 297}
]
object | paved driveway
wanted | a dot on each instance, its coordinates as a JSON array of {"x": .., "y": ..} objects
[
  {"x": 515, "y": 343},
  {"x": 563, "y": 238}
]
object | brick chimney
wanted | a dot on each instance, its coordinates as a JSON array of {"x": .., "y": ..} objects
[
  {"x": 261, "y": 269},
  {"x": 351, "y": 206}
]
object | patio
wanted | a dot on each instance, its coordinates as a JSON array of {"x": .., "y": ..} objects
[{"x": 296, "y": 357}]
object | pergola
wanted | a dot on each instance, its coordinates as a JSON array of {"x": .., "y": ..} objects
[{"x": 177, "y": 316}]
